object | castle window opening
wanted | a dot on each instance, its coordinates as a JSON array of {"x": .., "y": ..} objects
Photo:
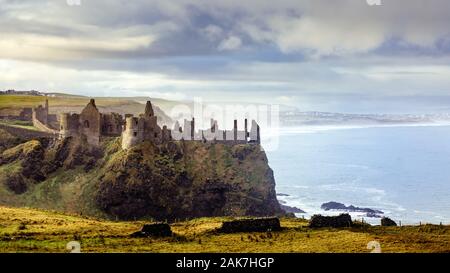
[
  {"x": 86, "y": 124},
  {"x": 135, "y": 134}
]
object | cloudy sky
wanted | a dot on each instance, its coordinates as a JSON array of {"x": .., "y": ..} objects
[{"x": 325, "y": 55}]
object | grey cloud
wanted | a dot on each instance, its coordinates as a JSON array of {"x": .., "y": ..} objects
[
  {"x": 187, "y": 27},
  {"x": 296, "y": 48}
]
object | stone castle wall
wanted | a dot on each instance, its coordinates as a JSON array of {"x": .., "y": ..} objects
[
  {"x": 90, "y": 123},
  {"x": 131, "y": 136},
  {"x": 234, "y": 136},
  {"x": 70, "y": 124},
  {"x": 112, "y": 124},
  {"x": 25, "y": 133},
  {"x": 42, "y": 120},
  {"x": 22, "y": 114},
  {"x": 143, "y": 128},
  {"x": 44, "y": 128},
  {"x": 93, "y": 125}
]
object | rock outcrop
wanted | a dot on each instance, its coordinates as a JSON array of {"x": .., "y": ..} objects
[
  {"x": 154, "y": 230},
  {"x": 251, "y": 225},
  {"x": 188, "y": 179},
  {"x": 341, "y": 207},
  {"x": 175, "y": 180},
  {"x": 290, "y": 209},
  {"x": 387, "y": 222},
  {"x": 319, "y": 221}
]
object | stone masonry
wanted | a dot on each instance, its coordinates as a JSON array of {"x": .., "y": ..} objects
[{"x": 93, "y": 125}]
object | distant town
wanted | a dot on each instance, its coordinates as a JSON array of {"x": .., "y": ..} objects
[{"x": 25, "y": 93}]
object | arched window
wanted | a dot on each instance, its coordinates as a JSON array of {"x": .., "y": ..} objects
[{"x": 86, "y": 124}]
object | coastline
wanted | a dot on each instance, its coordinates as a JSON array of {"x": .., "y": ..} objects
[{"x": 366, "y": 168}]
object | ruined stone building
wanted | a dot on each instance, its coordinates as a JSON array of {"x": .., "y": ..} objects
[
  {"x": 144, "y": 128},
  {"x": 233, "y": 136},
  {"x": 43, "y": 120},
  {"x": 91, "y": 124},
  {"x": 39, "y": 116},
  {"x": 22, "y": 114}
]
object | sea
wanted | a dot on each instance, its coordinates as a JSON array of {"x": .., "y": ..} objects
[{"x": 403, "y": 171}]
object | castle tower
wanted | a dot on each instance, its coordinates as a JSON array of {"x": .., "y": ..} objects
[
  {"x": 149, "y": 110},
  {"x": 90, "y": 122},
  {"x": 69, "y": 125},
  {"x": 131, "y": 135}
]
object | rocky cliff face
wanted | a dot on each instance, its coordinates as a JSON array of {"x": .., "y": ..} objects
[{"x": 176, "y": 180}]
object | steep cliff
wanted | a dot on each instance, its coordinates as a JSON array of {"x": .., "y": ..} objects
[{"x": 176, "y": 180}]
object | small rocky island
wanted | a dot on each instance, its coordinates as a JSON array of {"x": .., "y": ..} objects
[{"x": 342, "y": 207}]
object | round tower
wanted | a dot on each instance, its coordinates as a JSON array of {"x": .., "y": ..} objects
[
  {"x": 69, "y": 125},
  {"x": 131, "y": 135}
]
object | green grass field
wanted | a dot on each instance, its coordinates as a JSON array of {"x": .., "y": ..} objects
[{"x": 29, "y": 230}]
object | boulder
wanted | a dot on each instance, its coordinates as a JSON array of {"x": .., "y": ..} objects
[
  {"x": 319, "y": 221},
  {"x": 154, "y": 230},
  {"x": 251, "y": 225},
  {"x": 387, "y": 222}
]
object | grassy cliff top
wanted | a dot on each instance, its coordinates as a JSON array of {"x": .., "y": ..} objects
[
  {"x": 20, "y": 101},
  {"x": 12, "y": 105},
  {"x": 29, "y": 230}
]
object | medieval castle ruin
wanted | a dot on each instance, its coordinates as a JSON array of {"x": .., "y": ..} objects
[
  {"x": 44, "y": 121},
  {"x": 38, "y": 116},
  {"x": 91, "y": 124},
  {"x": 94, "y": 125}
]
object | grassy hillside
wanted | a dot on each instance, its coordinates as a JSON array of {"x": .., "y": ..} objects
[
  {"x": 19, "y": 101},
  {"x": 33, "y": 175},
  {"x": 11, "y": 104},
  {"x": 29, "y": 230}
]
